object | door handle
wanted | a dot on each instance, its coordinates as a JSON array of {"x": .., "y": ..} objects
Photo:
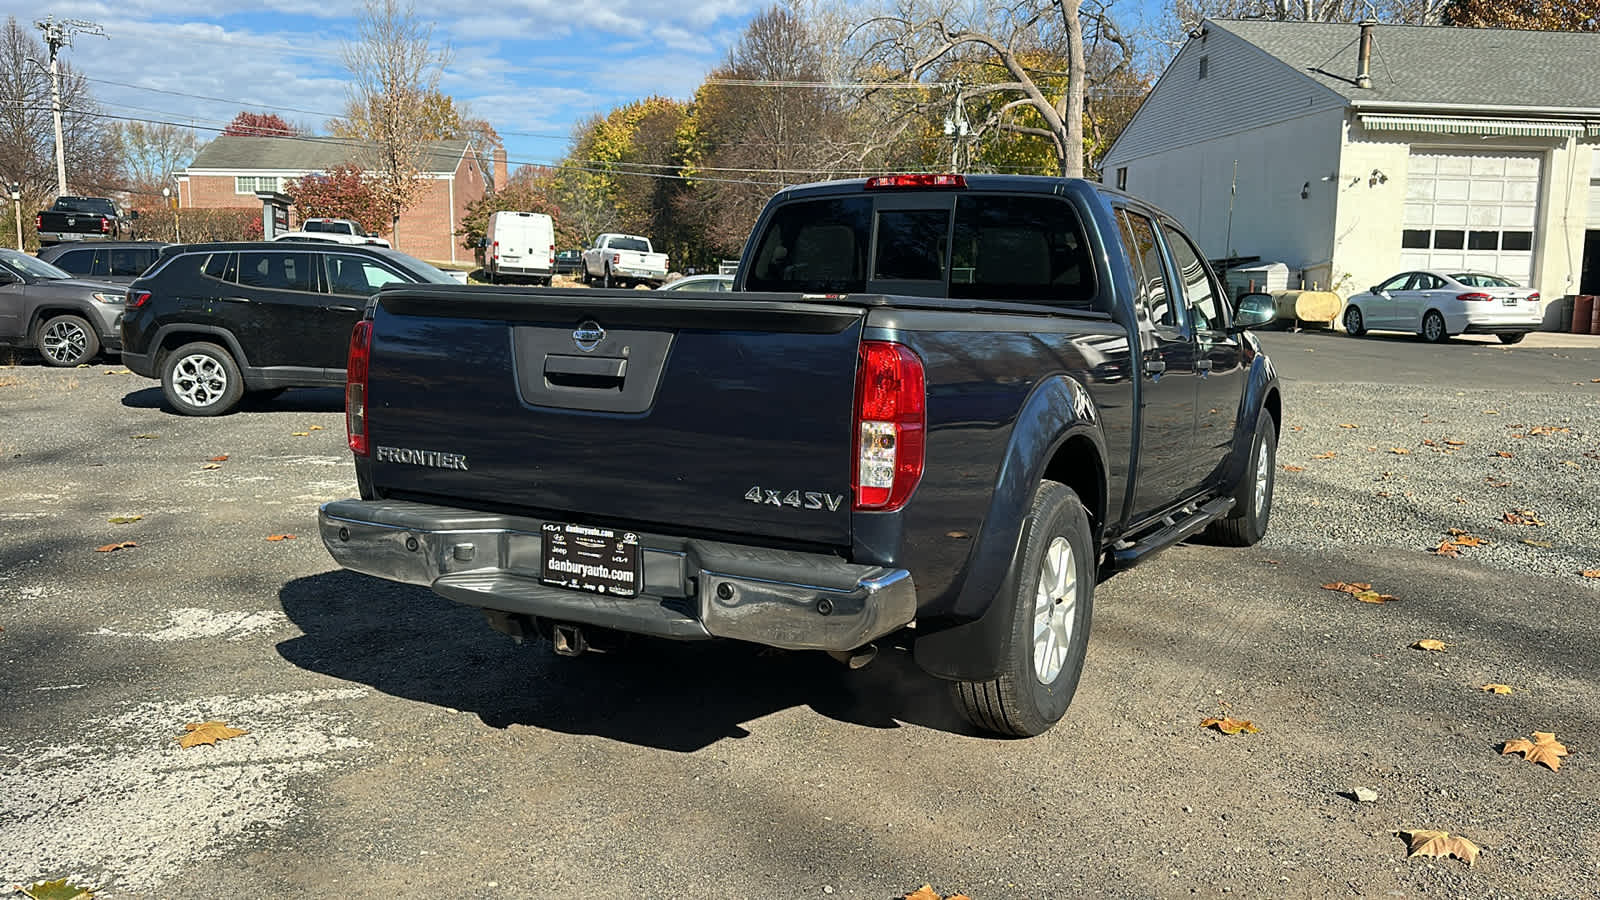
[
  {"x": 345, "y": 308},
  {"x": 1202, "y": 365},
  {"x": 1154, "y": 367}
]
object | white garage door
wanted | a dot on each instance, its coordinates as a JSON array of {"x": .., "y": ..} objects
[{"x": 1471, "y": 210}]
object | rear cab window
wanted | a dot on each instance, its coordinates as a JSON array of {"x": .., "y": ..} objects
[{"x": 1029, "y": 248}]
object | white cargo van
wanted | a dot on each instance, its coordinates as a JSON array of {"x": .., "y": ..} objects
[{"x": 519, "y": 245}]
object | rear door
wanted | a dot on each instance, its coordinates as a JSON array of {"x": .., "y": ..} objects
[
  {"x": 1167, "y": 373},
  {"x": 722, "y": 417}
]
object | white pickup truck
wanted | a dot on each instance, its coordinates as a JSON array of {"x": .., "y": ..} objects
[{"x": 623, "y": 260}]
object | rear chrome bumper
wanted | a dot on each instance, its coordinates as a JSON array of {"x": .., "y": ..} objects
[{"x": 691, "y": 588}]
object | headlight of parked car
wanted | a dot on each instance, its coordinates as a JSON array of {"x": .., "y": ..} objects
[{"x": 103, "y": 297}]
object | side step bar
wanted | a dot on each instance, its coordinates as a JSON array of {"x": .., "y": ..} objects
[{"x": 1179, "y": 526}]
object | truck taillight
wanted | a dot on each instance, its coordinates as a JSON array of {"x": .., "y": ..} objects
[
  {"x": 1474, "y": 297},
  {"x": 616, "y": 259},
  {"x": 890, "y": 418},
  {"x": 496, "y": 249},
  {"x": 38, "y": 221},
  {"x": 355, "y": 388},
  {"x": 136, "y": 299},
  {"x": 105, "y": 226}
]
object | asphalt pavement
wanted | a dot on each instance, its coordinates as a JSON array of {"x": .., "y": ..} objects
[{"x": 398, "y": 747}]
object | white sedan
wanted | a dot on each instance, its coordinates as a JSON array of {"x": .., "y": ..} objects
[{"x": 1437, "y": 305}]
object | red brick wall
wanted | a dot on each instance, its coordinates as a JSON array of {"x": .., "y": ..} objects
[{"x": 425, "y": 228}]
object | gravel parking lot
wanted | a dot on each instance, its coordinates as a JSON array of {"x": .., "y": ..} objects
[{"x": 398, "y": 747}]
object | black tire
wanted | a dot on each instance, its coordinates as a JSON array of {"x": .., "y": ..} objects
[
  {"x": 1354, "y": 324},
  {"x": 66, "y": 340},
  {"x": 607, "y": 278},
  {"x": 1246, "y": 524},
  {"x": 1020, "y": 701},
  {"x": 201, "y": 379},
  {"x": 1433, "y": 328},
  {"x": 1513, "y": 338}
]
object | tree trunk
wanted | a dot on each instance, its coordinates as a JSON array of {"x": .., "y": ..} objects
[{"x": 1077, "y": 76}]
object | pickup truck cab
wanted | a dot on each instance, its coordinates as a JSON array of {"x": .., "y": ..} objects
[
  {"x": 623, "y": 260},
  {"x": 79, "y": 219},
  {"x": 936, "y": 409}
]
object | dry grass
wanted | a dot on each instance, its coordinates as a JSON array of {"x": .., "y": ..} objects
[{"x": 9, "y": 381}]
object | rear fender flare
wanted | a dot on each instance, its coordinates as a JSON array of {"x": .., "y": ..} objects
[
  {"x": 1058, "y": 410},
  {"x": 198, "y": 332}
]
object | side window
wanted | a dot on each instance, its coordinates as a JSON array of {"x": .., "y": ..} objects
[
  {"x": 1199, "y": 291},
  {"x": 912, "y": 244},
  {"x": 277, "y": 271},
  {"x": 1143, "y": 247},
  {"x": 220, "y": 267},
  {"x": 128, "y": 261},
  {"x": 1397, "y": 283},
  {"x": 1021, "y": 248},
  {"x": 76, "y": 262},
  {"x": 354, "y": 276}
]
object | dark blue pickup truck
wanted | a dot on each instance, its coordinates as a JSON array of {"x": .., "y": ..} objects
[{"x": 938, "y": 408}]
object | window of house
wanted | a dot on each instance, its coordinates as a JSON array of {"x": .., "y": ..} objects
[
  {"x": 1122, "y": 178},
  {"x": 1205, "y": 66},
  {"x": 249, "y": 184}
]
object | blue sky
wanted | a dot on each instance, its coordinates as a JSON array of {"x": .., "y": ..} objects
[{"x": 533, "y": 68}]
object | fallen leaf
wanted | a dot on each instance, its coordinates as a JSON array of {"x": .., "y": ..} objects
[
  {"x": 219, "y": 458},
  {"x": 1294, "y": 468},
  {"x": 147, "y": 437},
  {"x": 1348, "y": 587},
  {"x": 1447, "y": 548},
  {"x": 60, "y": 889},
  {"x": 1504, "y": 454},
  {"x": 1373, "y": 597},
  {"x": 207, "y": 733},
  {"x": 124, "y": 520},
  {"x": 958, "y": 535},
  {"x": 1491, "y": 412},
  {"x": 926, "y": 892},
  {"x": 1455, "y": 443},
  {"x": 1533, "y": 543},
  {"x": 1430, "y": 644},
  {"x": 315, "y": 428},
  {"x": 1429, "y": 442},
  {"x": 1549, "y": 429},
  {"x": 1400, "y": 451},
  {"x": 1348, "y": 425},
  {"x": 1544, "y": 749},
  {"x": 280, "y": 537},
  {"x": 1439, "y": 843},
  {"x": 1590, "y": 573},
  {"x": 112, "y": 548},
  {"x": 1494, "y": 688},
  {"x": 1230, "y": 725},
  {"x": 1522, "y": 517},
  {"x": 1328, "y": 455},
  {"x": 301, "y": 433},
  {"x": 210, "y": 466}
]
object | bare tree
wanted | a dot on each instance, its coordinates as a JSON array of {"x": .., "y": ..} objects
[
  {"x": 27, "y": 138},
  {"x": 1188, "y": 13},
  {"x": 394, "y": 71},
  {"x": 152, "y": 152},
  {"x": 922, "y": 40}
]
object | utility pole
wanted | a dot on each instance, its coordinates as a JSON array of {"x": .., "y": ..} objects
[{"x": 58, "y": 35}]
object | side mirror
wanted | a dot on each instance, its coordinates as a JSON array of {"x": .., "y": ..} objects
[{"x": 1254, "y": 311}]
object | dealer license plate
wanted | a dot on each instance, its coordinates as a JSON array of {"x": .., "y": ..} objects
[
  {"x": 1509, "y": 301},
  {"x": 598, "y": 560}
]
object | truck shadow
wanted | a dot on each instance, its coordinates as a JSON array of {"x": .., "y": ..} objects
[{"x": 408, "y": 642}]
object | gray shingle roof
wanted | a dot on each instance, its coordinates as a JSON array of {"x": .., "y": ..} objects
[
  {"x": 309, "y": 154},
  {"x": 1439, "y": 65}
]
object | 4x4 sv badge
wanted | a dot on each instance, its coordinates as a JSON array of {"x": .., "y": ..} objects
[{"x": 796, "y": 499}]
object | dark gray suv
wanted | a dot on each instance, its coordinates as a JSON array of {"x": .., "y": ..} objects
[
  {"x": 68, "y": 320},
  {"x": 117, "y": 262}
]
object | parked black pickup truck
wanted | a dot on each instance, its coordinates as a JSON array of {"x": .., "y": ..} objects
[
  {"x": 79, "y": 219},
  {"x": 941, "y": 409}
]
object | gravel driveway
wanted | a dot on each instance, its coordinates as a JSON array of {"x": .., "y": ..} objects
[{"x": 399, "y": 748}]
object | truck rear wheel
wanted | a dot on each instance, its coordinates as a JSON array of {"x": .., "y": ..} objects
[{"x": 1052, "y": 592}]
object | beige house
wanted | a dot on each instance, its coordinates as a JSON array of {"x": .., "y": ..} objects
[
  {"x": 228, "y": 171},
  {"x": 1448, "y": 147}
]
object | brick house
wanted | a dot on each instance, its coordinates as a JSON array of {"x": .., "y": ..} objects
[{"x": 228, "y": 171}]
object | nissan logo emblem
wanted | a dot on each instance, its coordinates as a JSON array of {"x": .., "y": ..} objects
[{"x": 589, "y": 335}]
